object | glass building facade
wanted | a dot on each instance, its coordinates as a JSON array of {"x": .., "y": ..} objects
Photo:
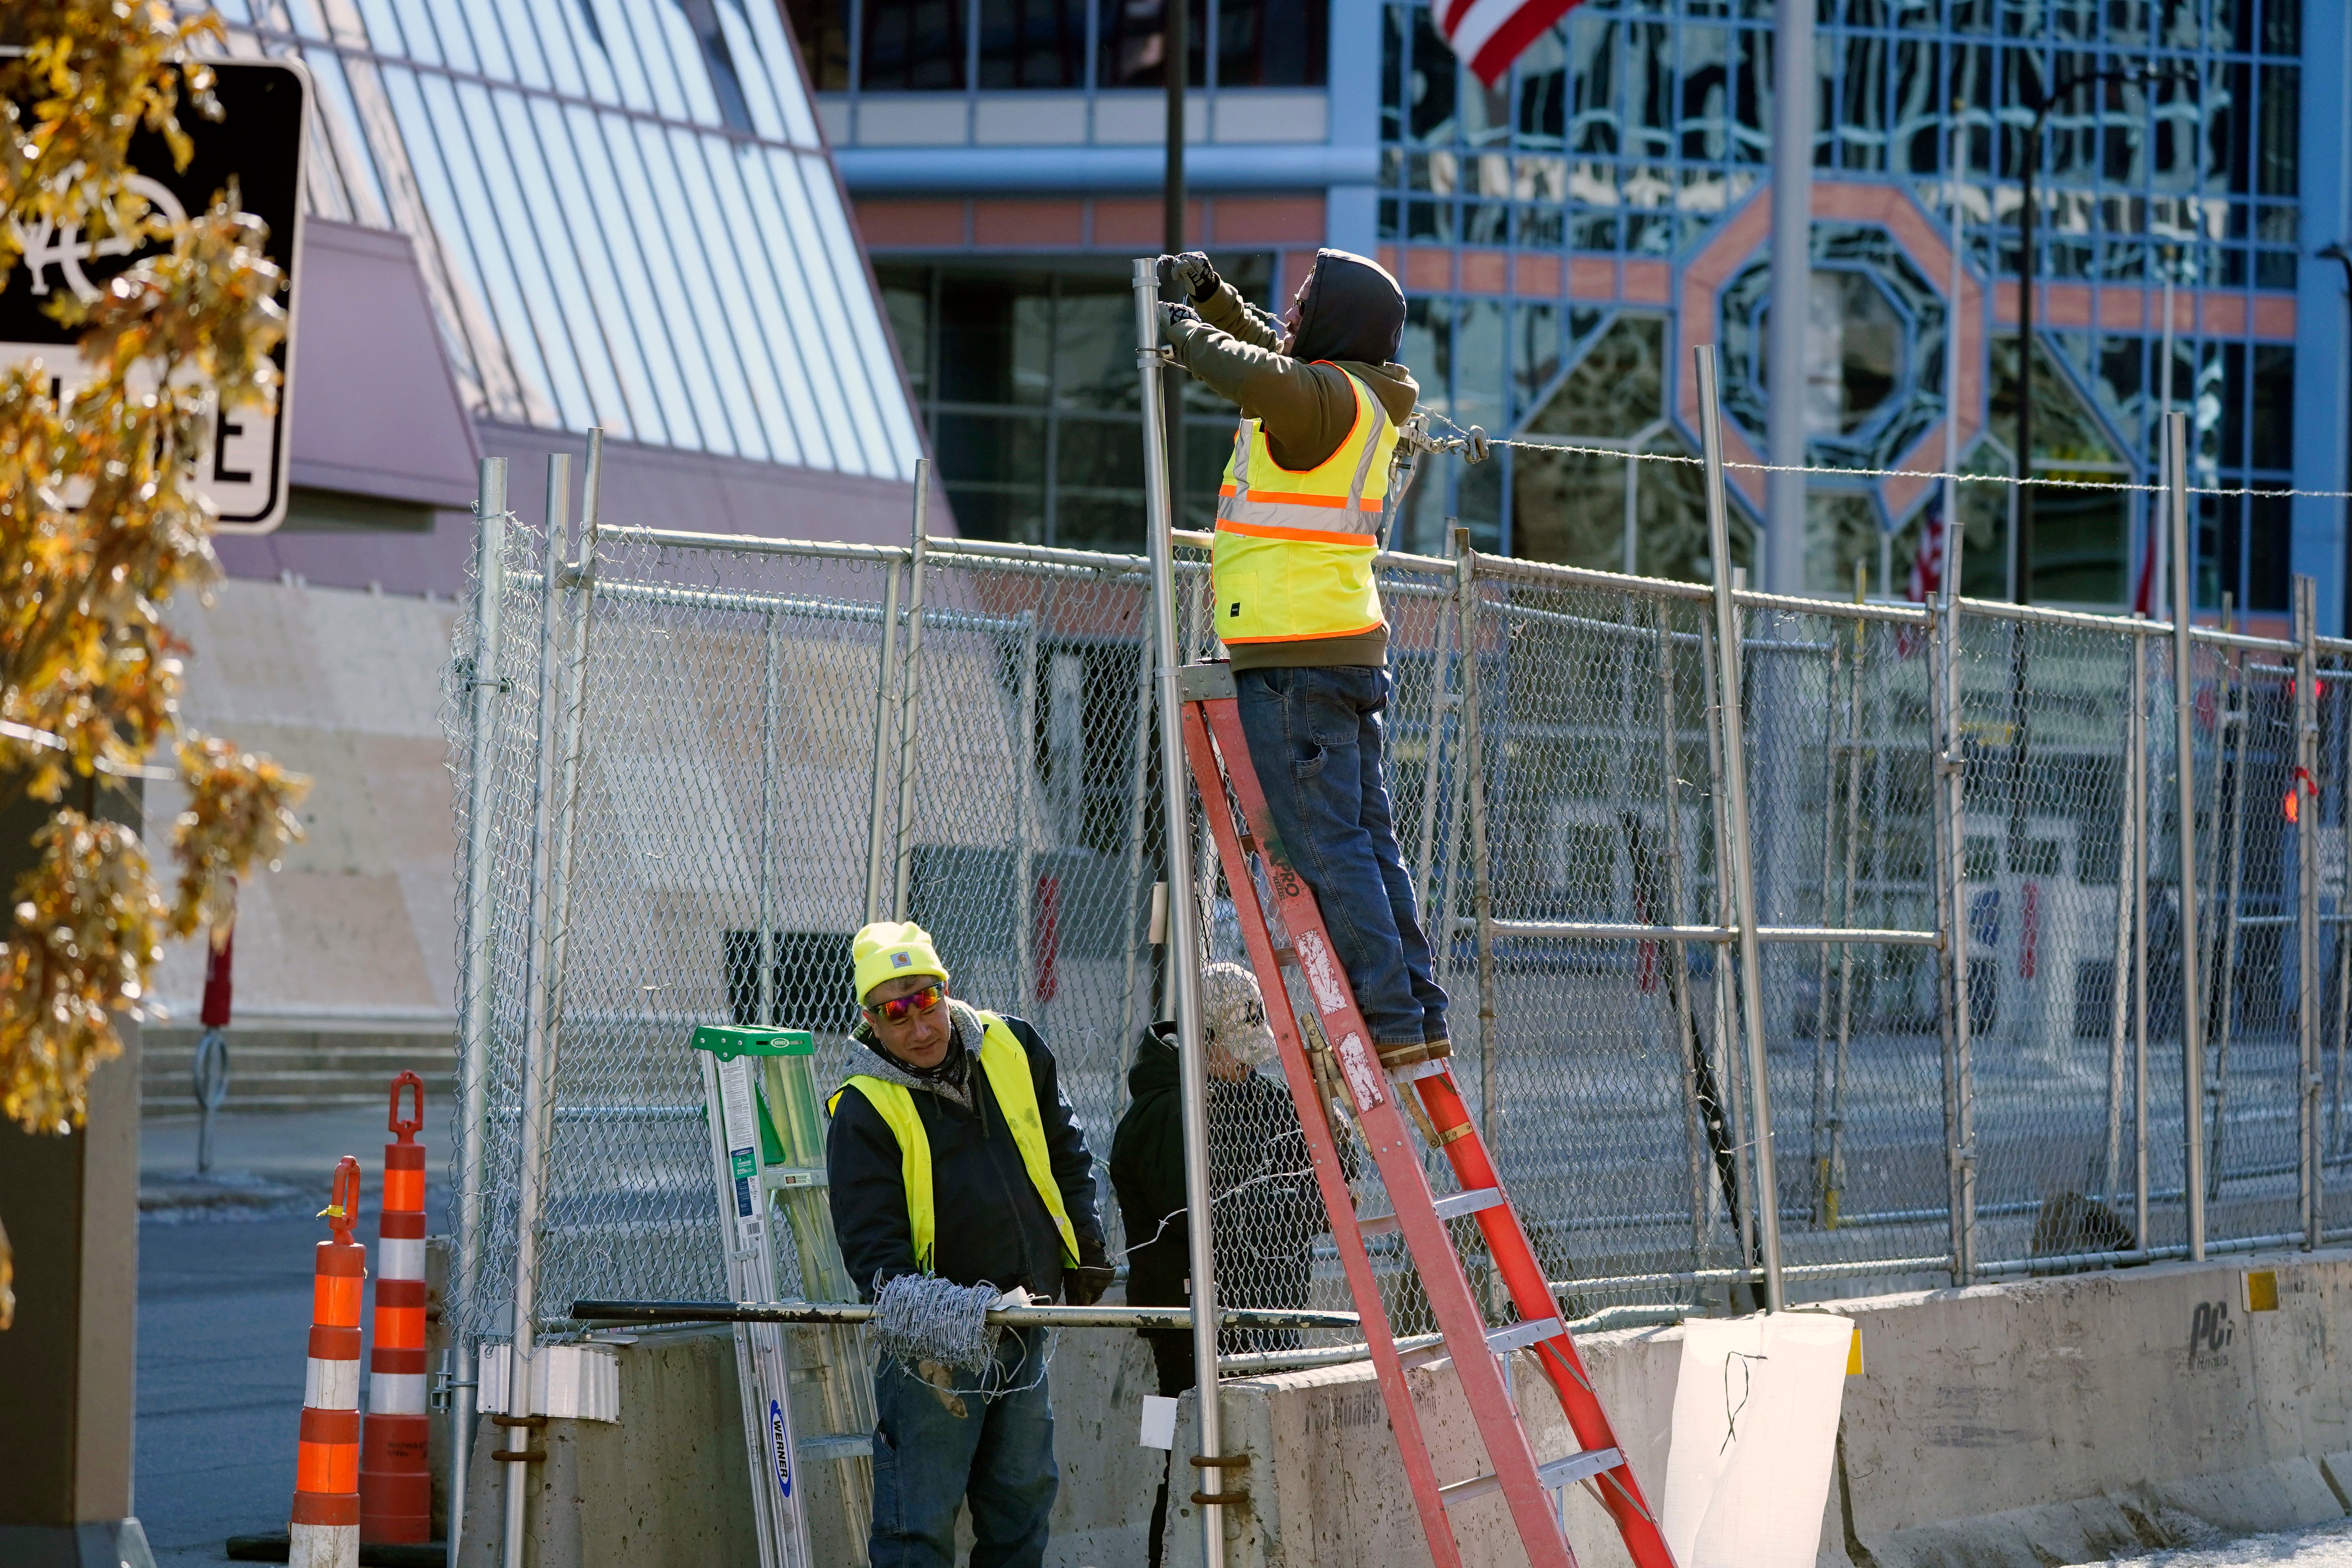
[
  {"x": 624, "y": 213},
  {"x": 1565, "y": 236}
]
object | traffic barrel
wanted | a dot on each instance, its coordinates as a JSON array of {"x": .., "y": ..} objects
[
  {"x": 325, "y": 1529},
  {"x": 395, "y": 1483}
]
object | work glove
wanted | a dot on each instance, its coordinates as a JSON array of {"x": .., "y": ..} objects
[
  {"x": 1194, "y": 270},
  {"x": 1173, "y": 315},
  {"x": 1084, "y": 1282}
]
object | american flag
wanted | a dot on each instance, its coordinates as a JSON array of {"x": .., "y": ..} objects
[
  {"x": 1928, "y": 565},
  {"x": 1490, "y": 34}
]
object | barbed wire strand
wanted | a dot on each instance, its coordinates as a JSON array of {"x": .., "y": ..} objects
[{"x": 1935, "y": 475}]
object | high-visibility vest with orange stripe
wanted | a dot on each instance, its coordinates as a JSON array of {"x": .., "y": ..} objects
[{"x": 1294, "y": 552}]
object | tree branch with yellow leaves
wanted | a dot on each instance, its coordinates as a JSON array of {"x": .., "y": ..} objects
[{"x": 101, "y": 525}]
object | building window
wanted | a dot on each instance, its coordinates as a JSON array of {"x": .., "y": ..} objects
[
  {"x": 926, "y": 45},
  {"x": 1025, "y": 376}
]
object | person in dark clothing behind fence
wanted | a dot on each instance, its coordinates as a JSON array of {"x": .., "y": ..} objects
[
  {"x": 1261, "y": 1179},
  {"x": 1261, "y": 1176}
]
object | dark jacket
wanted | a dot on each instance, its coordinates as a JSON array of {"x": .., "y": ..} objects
[
  {"x": 992, "y": 1224},
  {"x": 1304, "y": 401},
  {"x": 1261, "y": 1178}
]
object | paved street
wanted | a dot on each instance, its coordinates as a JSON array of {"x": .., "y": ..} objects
[
  {"x": 223, "y": 1309},
  {"x": 2322, "y": 1546}
]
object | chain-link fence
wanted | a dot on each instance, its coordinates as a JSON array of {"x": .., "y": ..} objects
[{"x": 708, "y": 761}]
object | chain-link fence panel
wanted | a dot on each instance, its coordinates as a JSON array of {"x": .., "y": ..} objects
[
  {"x": 1031, "y": 851},
  {"x": 2044, "y": 731},
  {"x": 698, "y": 779},
  {"x": 1840, "y": 730},
  {"x": 2252, "y": 972},
  {"x": 1605, "y": 1087},
  {"x": 496, "y": 788},
  {"x": 2331, "y": 859}
]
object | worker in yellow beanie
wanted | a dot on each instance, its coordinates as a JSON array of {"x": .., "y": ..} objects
[{"x": 953, "y": 1152}]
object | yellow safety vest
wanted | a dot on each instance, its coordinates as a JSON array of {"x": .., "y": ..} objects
[
  {"x": 1007, "y": 1066},
  {"x": 1294, "y": 552}
]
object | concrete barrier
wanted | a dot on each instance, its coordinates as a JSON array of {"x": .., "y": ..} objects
[
  {"x": 667, "y": 1484},
  {"x": 2033, "y": 1422},
  {"x": 2042, "y": 1421}
]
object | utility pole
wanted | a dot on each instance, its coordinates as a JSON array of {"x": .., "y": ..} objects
[
  {"x": 1780, "y": 563},
  {"x": 1176, "y": 47},
  {"x": 2333, "y": 251}
]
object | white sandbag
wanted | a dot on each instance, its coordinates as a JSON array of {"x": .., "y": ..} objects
[{"x": 1756, "y": 1415}]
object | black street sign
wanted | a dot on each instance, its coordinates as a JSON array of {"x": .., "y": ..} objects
[{"x": 258, "y": 143}]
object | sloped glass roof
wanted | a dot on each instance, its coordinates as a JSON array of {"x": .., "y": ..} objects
[{"x": 623, "y": 209}]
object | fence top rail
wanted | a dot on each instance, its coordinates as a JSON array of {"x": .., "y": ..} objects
[
  {"x": 1098, "y": 562},
  {"x": 752, "y": 544}
]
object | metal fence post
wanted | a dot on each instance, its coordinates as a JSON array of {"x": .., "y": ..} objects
[
  {"x": 542, "y": 1045},
  {"x": 1950, "y": 816},
  {"x": 1676, "y": 954},
  {"x": 2140, "y": 814},
  {"x": 534, "y": 1085},
  {"x": 771, "y": 707},
  {"x": 2184, "y": 716},
  {"x": 2118, "y": 995},
  {"x": 1743, "y": 866},
  {"x": 1482, "y": 886},
  {"x": 2305, "y": 788},
  {"x": 1731, "y": 1100},
  {"x": 474, "y": 974},
  {"x": 1441, "y": 699},
  {"x": 880, "y": 818},
  {"x": 1140, "y": 883},
  {"x": 1184, "y": 949},
  {"x": 911, "y": 690},
  {"x": 1024, "y": 819}
]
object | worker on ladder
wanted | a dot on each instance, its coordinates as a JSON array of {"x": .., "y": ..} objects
[
  {"x": 953, "y": 1154},
  {"x": 1321, "y": 397}
]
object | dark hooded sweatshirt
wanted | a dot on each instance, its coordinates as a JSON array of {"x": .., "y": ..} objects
[{"x": 1351, "y": 323}]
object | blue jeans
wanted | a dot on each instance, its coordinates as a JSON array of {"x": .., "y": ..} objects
[
  {"x": 1316, "y": 739},
  {"x": 998, "y": 1455}
]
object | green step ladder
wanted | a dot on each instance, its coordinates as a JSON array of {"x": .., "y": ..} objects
[{"x": 767, "y": 1145}]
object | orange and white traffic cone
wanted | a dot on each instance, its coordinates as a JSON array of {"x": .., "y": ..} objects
[
  {"x": 395, "y": 1483},
  {"x": 325, "y": 1529}
]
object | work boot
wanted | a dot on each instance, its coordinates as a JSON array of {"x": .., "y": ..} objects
[{"x": 1414, "y": 1053}]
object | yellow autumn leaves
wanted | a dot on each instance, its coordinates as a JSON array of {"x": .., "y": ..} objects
[{"x": 101, "y": 524}]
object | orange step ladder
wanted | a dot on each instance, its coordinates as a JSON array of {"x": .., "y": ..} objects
[{"x": 1253, "y": 858}]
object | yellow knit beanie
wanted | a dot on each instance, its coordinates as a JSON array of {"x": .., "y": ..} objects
[{"x": 888, "y": 949}]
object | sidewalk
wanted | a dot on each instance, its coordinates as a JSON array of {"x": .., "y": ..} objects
[
  {"x": 270, "y": 1163},
  {"x": 224, "y": 1282}
]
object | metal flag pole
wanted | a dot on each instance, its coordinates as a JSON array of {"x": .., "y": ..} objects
[
  {"x": 1743, "y": 868},
  {"x": 474, "y": 979},
  {"x": 1183, "y": 949},
  {"x": 2184, "y": 714}
]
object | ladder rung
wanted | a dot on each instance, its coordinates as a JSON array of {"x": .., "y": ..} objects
[
  {"x": 1430, "y": 1069},
  {"x": 1376, "y": 1225},
  {"x": 1520, "y": 1336},
  {"x": 1574, "y": 1468},
  {"x": 1422, "y": 1355},
  {"x": 1560, "y": 1472},
  {"x": 1460, "y": 1204},
  {"x": 853, "y": 1446}
]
